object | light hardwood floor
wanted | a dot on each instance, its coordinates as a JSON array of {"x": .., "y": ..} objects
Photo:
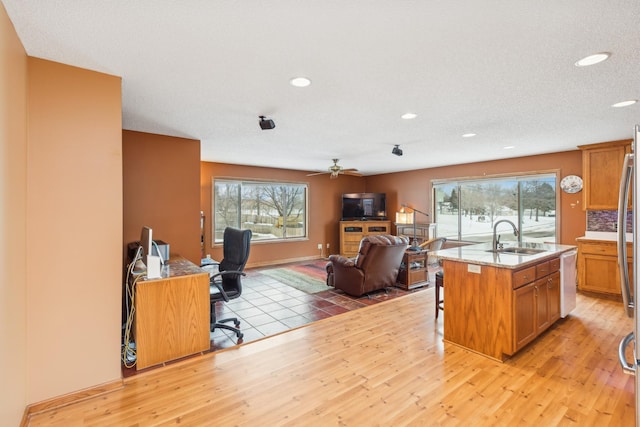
[{"x": 382, "y": 365}]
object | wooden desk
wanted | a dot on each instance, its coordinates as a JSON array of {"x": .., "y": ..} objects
[{"x": 172, "y": 314}]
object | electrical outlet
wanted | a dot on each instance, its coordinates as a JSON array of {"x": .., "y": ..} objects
[{"x": 320, "y": 246}]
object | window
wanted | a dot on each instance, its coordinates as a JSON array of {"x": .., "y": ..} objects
[
  {"x": 467, "y": 209},
  {"x": 272, "y": 211}
]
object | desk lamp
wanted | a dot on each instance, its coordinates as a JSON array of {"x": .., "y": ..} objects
[{"x": 404, "y": 217}]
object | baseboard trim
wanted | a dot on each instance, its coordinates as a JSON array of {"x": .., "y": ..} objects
[
  {"x": 70, "y": 398},
  {"x": 88, "y": 393}
]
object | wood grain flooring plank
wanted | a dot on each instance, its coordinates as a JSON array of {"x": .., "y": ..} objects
[{"x": 384, "y": 364}]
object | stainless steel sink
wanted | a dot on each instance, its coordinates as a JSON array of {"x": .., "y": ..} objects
[{"x": 519, "y": 251}]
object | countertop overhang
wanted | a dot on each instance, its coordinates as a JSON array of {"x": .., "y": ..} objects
[{"x": 481, "y": 254}]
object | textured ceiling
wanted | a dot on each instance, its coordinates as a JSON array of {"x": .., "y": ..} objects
[{"x": 501, "y": 69}]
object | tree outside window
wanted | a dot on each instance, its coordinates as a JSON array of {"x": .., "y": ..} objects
[
  {"x": 272, "y": 211},
  {"x": 466, "y": 210}
]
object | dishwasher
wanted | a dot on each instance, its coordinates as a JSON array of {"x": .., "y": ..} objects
[{"x": 568, "y": 282}]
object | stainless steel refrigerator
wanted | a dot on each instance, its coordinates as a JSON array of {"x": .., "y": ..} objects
[{"x": 630, "y": 183}]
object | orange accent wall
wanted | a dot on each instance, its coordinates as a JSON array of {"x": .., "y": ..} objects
[
  {"x": 61, "y": 163},
  {"x": 161, "y": 190},
  {"x": 414, "y": 187},
  {"x": 13, "y": 223},
  {"x": 74, "y": 223},
  {"x": 325, "y": 204}
]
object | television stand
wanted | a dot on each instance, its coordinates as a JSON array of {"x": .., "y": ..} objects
[{"x": 352, "y": 232}]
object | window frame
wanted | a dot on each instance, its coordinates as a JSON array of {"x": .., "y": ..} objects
[
  {"x": 239, "y": 207},
  {"x": 517, "y": 176}
]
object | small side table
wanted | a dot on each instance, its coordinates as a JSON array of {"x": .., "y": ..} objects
[{"x": 413, "y": 270}]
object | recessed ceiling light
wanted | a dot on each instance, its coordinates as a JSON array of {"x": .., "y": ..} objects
[
  {"x": 409, "y": 116},
  {"x": 593, "y": 59},
  {"x": 508, "y": 147},
  {"x": 625, "y": 103},
  {"x": 468, "y": 135},
  {"x": 300, "y": 82}
]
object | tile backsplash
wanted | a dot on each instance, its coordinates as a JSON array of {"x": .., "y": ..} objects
[{"x": 605, "y": 221}]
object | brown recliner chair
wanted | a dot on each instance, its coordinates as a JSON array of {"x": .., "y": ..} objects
[{"x": 375, "y": 267}]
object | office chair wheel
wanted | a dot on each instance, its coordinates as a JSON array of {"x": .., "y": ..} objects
[{"x": 240, "y": 335}]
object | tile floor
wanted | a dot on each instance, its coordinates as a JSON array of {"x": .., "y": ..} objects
[{"x": 267, "y": 307}]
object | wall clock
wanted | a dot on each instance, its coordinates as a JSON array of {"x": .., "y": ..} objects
[{"x": 571, "y": 184}]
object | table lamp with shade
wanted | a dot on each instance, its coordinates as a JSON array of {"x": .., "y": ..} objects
[{"x": 404, "y": 217}]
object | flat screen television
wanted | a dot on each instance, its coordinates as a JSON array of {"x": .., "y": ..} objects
[{"x": 364, "y": 206}]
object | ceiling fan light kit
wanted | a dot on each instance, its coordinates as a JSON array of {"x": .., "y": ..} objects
[{"x": 335, "y": 170}]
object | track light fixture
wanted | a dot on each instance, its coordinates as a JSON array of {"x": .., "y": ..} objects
[
  {"x": 266, "y": 123},
  {"x": 396, "y": 150}
]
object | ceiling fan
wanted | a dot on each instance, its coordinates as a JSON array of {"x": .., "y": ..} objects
[{"x": 335, "y": 170}]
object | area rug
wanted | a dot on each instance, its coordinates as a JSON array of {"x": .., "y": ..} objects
[{"x": 309, "y": 278}]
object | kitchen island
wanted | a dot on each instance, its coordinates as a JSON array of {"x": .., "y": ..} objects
[{"x": 498, "y": 302}]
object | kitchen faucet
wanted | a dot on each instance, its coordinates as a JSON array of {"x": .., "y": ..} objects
[{"x": 496, "y": 240}]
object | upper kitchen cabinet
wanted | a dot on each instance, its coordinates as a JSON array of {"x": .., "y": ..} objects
[{"x": 601, "y": 170}]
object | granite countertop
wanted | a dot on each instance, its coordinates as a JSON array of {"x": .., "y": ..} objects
[
  {"x": 177, "y": 266},
  {"x": 481, "y": 254}
]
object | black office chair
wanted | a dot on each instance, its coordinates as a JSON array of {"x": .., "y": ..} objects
[{"x": 227, "y": 284}]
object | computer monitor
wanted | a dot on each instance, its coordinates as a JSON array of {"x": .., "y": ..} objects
[
  {"x": 149, "y": 246},
  {"x": 146, "y": 241}
]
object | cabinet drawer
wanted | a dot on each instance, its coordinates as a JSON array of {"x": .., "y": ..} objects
[
  {"x": 599, "y": 249},
  {"x": 542, "y": 269},
  {"x": 417, "y": 275},
  {"x": 524, "y": 276},
  {"x": 554, "y": 265}
]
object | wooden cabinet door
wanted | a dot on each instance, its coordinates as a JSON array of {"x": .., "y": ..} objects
[
  {"x": 352, "y": 232},
  {"x": 525, "y": 315},
  {"x": 602, "y": 167},
  {"x": 553, "y": 297},
  {"x": 599, "y": 273},
  {"x": 598, "y": 266},
  {"x": 536, "y": 307},
  {"x": 542, "y": 305}
]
